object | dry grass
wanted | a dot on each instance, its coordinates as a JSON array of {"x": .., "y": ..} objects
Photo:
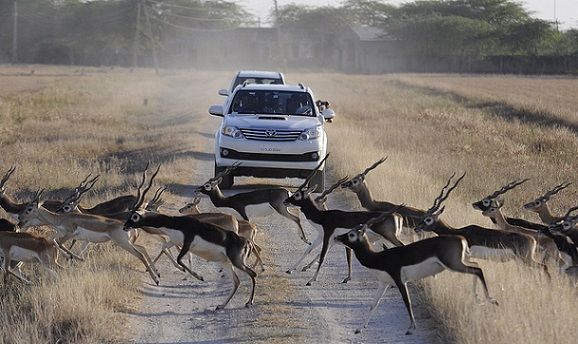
[{"x": 60, "y": 124}]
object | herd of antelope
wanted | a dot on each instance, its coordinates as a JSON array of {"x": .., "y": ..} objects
[{"x": 230, "y": 240}]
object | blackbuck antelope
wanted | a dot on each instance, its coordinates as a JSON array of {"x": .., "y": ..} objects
[
  {"x": 486, "y": 202},
  {"x": 415, "y": 261},
  {"x": 546, "y": 244},
  {"x": 330, "y": 223},
  {"x": 484, "y": 243},
  {"x": 553, "y": 248},
  {"x": 204, "y": 239},
  {"x": 114, "y": 206},
  {"x": 87, "y": 227},
  {"x": 358, "y": 185},
  {"x": 245, "y": 228},
  {"x": 260, "y": 202},
  {"x": 566, "y": 229},
  {"x": 7, "y": 226},
  {"x": 27, "y": 248},
  {"x": 566, "y": 226},
  {"x": 13, "y": 208},
  {"x": 541, "y": 207}
]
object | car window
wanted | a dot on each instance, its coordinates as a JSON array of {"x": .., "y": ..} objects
[
  {"x": 272, "y": 102},
  {"x": 264, "y": 81}
]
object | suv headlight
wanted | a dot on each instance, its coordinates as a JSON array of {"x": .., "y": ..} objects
[
  {"x": 310, "y": 134},
  {"x": 231, "y": 131}
]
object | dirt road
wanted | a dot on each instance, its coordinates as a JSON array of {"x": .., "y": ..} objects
[{"x": 182, "y": 309}]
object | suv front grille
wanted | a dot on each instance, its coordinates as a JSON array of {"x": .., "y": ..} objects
[
  {"x": 233, "y": 154},
  {"x": 270, "y": 134}
]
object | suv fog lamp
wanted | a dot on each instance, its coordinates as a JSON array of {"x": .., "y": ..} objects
[
  {"x": 224, "y": 152},
  {"x": 314, "y": 156}
]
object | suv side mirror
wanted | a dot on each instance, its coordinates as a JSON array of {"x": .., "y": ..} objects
[
  {"x": 328, "y": 114},
  {"x": 223, "y": 92},
  {"x": 216, "y": 110}
]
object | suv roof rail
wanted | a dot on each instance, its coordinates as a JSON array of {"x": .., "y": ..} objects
[{"x": 301, "y": 85}]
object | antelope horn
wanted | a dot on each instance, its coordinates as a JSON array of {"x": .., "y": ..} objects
[
  {"x": 156, "y": 200},
  {"x": 383, "y": 215},
  {"x": 507, "y": 187},
  {"x": 7, "y": 176},
  {"x": 140, "y": 195},
  {"x": 331, "y": 188},
  {"x": 310, "y": 176},
  {"x": 555, "y": 190},
  {"x": 441, "y": 198},
  {"x": 225, "y": 172},
  {"x": 377, "y": 163},
  {"x": 569, "y": 212}
]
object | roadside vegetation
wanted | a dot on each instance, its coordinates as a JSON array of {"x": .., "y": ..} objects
[{"x": 61, "y": 124}]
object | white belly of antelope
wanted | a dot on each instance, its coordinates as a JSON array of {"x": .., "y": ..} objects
[
  {"x": 208, "y": 250},
  {"x": 428, "y": 267},
  {"x": 23, "y": 255},
  {"x": 493, "y": 254},
  {"x": 259, "y": 210}
]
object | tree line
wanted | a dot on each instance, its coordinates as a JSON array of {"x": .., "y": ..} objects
[{"x": 114, "y": 32}]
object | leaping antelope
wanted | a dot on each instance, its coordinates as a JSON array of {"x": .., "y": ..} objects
[
  {"x": 246, "y": 229},
  {"x": 27, "y": 248},
  {"x": 415, "y": 261},
  {"x": 204, "y": 239},
  {"x": 330, "y": 223},
  {"x": 87, "y": 227},
  {"x": 263, "y": 200}
]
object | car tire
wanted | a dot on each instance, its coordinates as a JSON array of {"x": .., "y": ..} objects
[
  {"x": 227, "y": 180},
  {"x": 319, "y": 180}
]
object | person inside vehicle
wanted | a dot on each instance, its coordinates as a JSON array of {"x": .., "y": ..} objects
[
  {"x": 248, "y": 104},
  {"x": 299, "y": 104}
]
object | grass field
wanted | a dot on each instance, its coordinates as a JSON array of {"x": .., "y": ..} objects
[{"x": 59, "y": 124}]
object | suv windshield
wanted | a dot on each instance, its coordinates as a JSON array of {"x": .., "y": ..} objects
[
  {"x": 272, "y": 102},
  {"x": 257, "y": 80}
]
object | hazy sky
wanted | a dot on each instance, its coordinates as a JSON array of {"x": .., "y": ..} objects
[{"x": 566, "y": 11}]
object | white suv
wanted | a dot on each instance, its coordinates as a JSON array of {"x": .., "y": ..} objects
[{"x": 273, "y": 131}]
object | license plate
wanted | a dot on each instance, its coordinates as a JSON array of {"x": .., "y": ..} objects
[{"x": 269, "y": 149}]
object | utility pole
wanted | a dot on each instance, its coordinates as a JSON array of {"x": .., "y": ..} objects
[
  {"x": 152, "y": 38},
  {"x": 15, "y": 34},
  {"x": 136, "y": 36}
]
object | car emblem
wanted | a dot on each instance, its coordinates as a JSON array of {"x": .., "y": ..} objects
[{"x": 271, "y": 133}]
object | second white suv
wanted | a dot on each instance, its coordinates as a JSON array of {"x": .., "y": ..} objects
[{"x": 273, "y": 131}]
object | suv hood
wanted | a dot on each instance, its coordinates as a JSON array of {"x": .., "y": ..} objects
[{"x": 271, "y": 121}]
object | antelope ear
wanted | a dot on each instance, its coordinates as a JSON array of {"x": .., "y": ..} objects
[{"x": 441, "y": 210}]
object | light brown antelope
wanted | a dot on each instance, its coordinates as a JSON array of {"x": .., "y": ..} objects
[
  {"x": 27, "y": 248},
  {"x": 358, "y": 185},
  {"x": 541, "y": 207},
  {"x": 87, "y": 227},
  {"x": 400, "y": 265}
]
